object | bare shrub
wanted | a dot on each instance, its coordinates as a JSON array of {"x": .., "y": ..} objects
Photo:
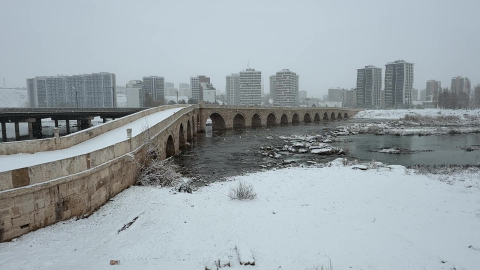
[
  {"x": 159, "y": 173},
  {"x": 323, "y": 267},
  {"x": 243, "y": 191},
  {"x": 375, "y": 130}
]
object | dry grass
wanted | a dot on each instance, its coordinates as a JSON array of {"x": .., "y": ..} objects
[
  {"x": 431, "y": 119},
  {"x": 243, "y": 191}
]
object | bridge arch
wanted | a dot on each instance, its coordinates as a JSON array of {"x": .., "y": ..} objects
[
  {"x": 307, "y": 118},
  {"x": 239, "y": 121},
  {"x": 256, "y": 121},
  {"x": 284, "y": 120},
  {"x": 317, "y": 118},
  {"x": 295, "y": 119},
  {"x": 339, "y": 116},
  {"x": 332, "y": 116},
  {"x": 271, "y": 120},
  {"x": 345, "y": 115},
  {"x": 170, "y": 147},
  {"x": 325, "y": 116},
  {"x": 181, "y": 136},
  {"x": 218, "y": 121}
]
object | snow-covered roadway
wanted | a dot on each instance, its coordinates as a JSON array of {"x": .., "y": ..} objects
[{"x": 12, "y": 162}]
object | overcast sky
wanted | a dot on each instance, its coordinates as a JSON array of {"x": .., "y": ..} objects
[{"x": 323, "y": 41}]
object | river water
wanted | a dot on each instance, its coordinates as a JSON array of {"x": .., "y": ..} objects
[{"x": 217, "y": 155}]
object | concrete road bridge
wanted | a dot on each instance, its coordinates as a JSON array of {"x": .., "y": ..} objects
[
  {"x": 70, "y": 185},
  {"x": 34, "y": 116}
]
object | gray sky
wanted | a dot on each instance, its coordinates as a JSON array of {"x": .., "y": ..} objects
[{"x": 323, "y": 41}]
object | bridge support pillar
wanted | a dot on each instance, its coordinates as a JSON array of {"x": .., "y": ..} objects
[
  {"x": 4, "y": 132},
  {"x": 56, "y": 123},
  {"x": 79, "y": 125},
  {"x": 86, "y": 123},
  {"x": 30, "y": 130},
  {"x": 104, "y": 119},
  {"x": 17, "y": 130},
  {"x": 37, "y": 128},
  {"x": 67, "y": 123}
]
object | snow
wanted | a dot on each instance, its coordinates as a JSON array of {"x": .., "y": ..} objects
[
  {"x": 397, "y": 114},
  {"x": 13, "y": 98},
  {"x": 12, "y": 162},
  {"x": 388, "y": 218}
]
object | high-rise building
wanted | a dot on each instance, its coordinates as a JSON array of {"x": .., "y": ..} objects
[
  {"x": 170, "y": 89},
  {"x": 460, "y": 84},
  {"x": 369, "y": 85},
  {"x": 433, "y": 89},
  {"x": 349, "y": 98},
  {"x": 184, "y": 89},
  {"x": 197, "y": 91},
  {"x": 335, "y": 94},
  {"x": 153, "y": 90},
  {"x": 286, "y": 88},
  {"x": 250, "y": 87},
  {"x": 273, "y": 87},
  {"x": 233, "y": 89},
  {"x": 398, "y": 83},
  {"x": 134, "y": 88},
  {"x": 87, "y": 90}
]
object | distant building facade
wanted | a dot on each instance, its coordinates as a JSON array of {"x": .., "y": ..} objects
[
  {"x": 335, "y": 94},
  {"x": 302, "y": 95},
  {"x": 170, "y": 89},
  {"x": 88, "y": 90},
  {"x": 460, "y": 84},
  {"x": 423, "y": 95},
  {"x": 433, "y": 89},
  {"x": 369, "y": 85},
  {"x": 349, "y": 98},
  {"x": 415, "y": 94},
  {"x": 398, "y": 83},
  {"x": 250, "y": 87},
  {"x": 209, "y": 92},
  {"x": 184, "y": 89},
  {"x": 286, "y": 88},
  {"x": 153, "y": 90},
  {"x": 232, "y": 88},
  {"x": 273, "y": 87},
  {"x": 195, "y": 84}
]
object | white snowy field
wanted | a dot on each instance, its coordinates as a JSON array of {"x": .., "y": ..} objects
[
  {"x": 12, "y": 162},
  {"x": 397, "y": 114},
  {"x": 303, "y": 217},
  {"x": 13, "y": 98}
]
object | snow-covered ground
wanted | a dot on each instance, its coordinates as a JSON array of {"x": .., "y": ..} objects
[
  {"x": 397, "y": 114},
  {"x": 12, "y": 162},
  {"x": 13, "y": 98},
  {"x": 385, "y": 218}
]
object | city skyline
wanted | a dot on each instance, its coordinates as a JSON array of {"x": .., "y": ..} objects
[{"x": 76, "y": 39}]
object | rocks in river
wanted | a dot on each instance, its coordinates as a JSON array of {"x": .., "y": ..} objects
[
  {"x": 328, "y": 151},
  {"x": 396, "y": 150}
]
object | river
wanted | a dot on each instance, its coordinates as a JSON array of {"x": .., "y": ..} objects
[{"x": 216, "y": 155}]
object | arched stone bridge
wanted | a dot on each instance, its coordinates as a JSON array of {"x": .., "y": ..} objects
[{"x": 230, "y": 117}]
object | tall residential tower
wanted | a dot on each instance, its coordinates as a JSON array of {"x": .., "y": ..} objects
[
  {"x": 250, "y": 87},
  {"x": 286, "y": 88},
  {"x": 369, "y": 85},
  {"x": 232, "y": 88},
  {"x": 398, "y": 83}
]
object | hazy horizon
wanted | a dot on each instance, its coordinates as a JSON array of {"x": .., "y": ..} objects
[{"x": 325, "y": 42}]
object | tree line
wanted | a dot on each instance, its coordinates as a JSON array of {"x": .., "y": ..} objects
[{"x": 462, "y": 100}]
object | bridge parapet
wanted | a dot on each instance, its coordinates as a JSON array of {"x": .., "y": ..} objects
[{"x": 51, "y": 144}]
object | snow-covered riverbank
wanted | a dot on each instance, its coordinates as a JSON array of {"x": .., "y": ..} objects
[
  {"x": 401, "y": 113},
  {"x": 380, "y": 218}
]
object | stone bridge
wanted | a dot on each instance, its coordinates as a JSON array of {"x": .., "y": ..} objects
[
  {"x": 39, "y": 195},
  {"x": 228, "y": 117}
]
